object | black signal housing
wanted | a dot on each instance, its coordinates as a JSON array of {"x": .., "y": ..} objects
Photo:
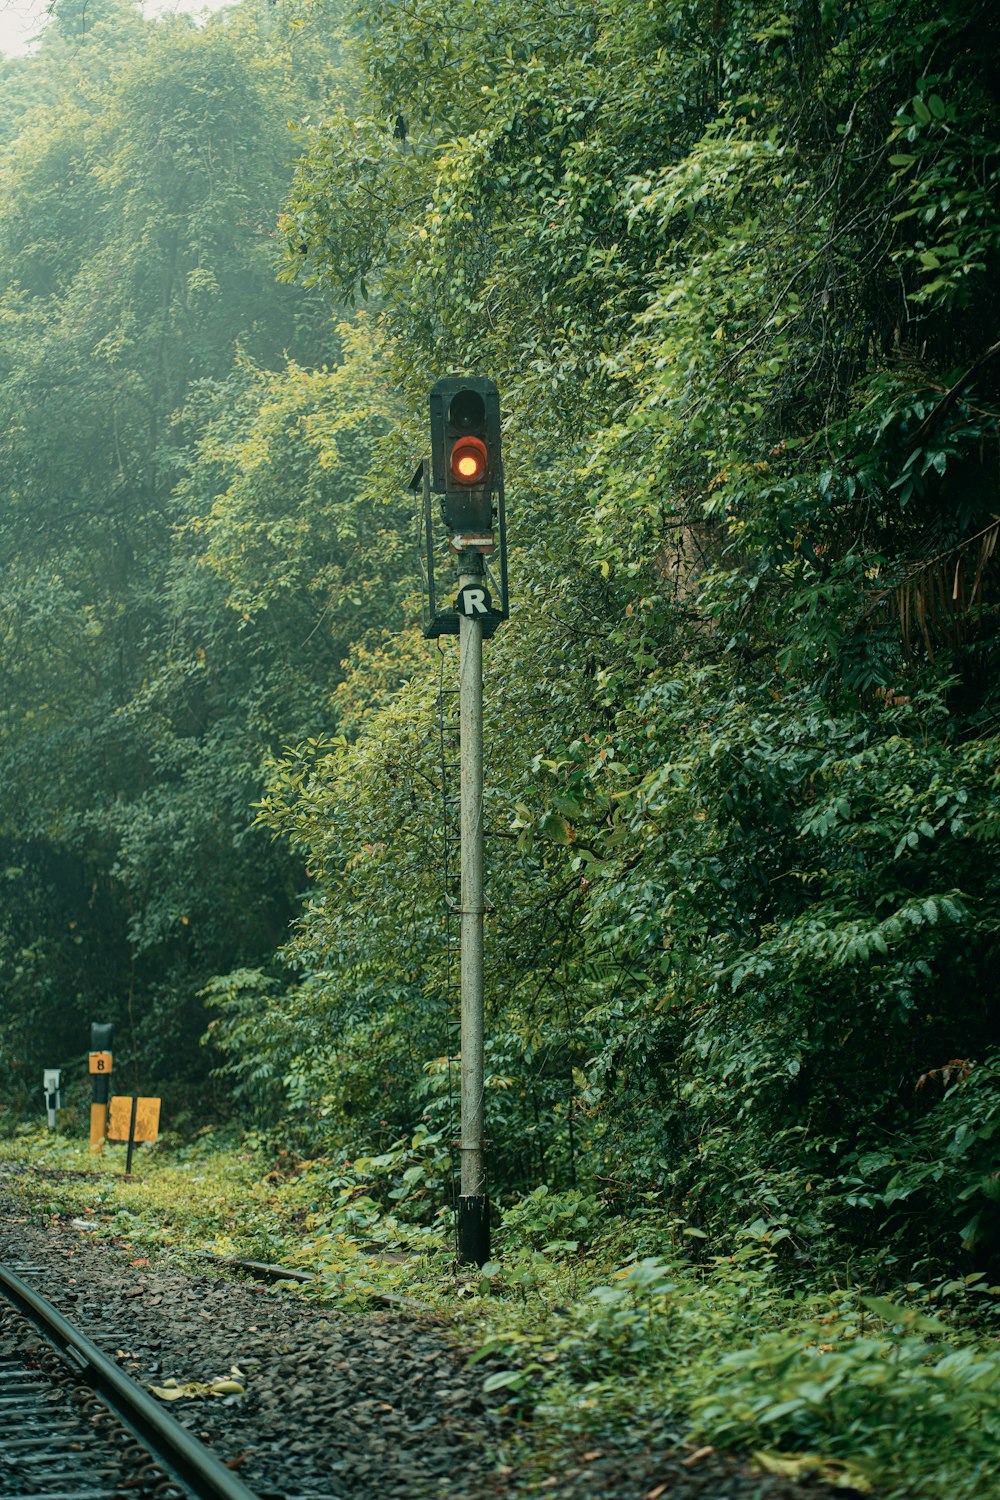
[{"x": 465, "y": 451}]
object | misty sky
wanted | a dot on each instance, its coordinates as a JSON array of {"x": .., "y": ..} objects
[{"x": 21, "y": 20}]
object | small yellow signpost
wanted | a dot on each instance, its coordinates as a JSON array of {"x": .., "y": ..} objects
[{"x": 133, "y": 1119}]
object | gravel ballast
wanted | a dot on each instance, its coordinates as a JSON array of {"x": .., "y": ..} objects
[{"x": 337, "y": 1406}]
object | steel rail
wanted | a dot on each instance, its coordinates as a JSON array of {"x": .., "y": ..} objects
[{"x": 169, "y": 1440}]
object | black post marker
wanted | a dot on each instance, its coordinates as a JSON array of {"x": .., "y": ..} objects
[
  {"x": 131, "y": 1136},
  {"x": 101, "y": 1038}
]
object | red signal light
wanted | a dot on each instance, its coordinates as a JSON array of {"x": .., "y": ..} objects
[{"x": 469, "y": 461}]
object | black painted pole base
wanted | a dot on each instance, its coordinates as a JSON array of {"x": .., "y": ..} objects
[{"x": 473, "y": 1229}]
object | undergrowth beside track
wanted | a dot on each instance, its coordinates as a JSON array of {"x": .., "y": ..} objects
[{"x": 596, "y": 1330}]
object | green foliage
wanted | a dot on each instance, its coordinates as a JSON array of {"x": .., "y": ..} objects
[
  {"x": 877, "y": 1401},
  {"x": 550, "y": 1220},
  {"x": 818, "y": 1391},
  {"x": 730, "y": 270},
  {"x": 296, "y": 520},
  {"x": 138, "y": 196},
  {"x": 643, "y": 1335}
]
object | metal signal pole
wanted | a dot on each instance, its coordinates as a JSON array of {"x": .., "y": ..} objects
[
  {"x": 466, "y": 470},
  {"x": 473, "y": 1208}
]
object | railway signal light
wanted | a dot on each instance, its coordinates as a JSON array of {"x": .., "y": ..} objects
[
  {"x": 465, "y": 452},
  {"x": 466, "y": 471},
  {"x": 469, "y": 461}
]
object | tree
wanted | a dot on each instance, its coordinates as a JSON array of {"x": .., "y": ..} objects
[
  {"x": 729, "y": 271},
  {"x": 137, "y": 226}
]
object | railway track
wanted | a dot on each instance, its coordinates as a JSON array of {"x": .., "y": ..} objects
[
  {"x": 337, "y": 1405},
  {"x": 74, "y": 1426}
]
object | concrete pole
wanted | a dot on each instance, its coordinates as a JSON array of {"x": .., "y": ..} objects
[{"x": 473, "y": 1206}]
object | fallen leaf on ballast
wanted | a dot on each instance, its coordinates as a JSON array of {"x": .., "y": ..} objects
[
  {"x": 833, "y": 1471},
  {"x": 660, "y": 1489},
  {"x": 172, "y": 1390},
  {"x": 696, "y": 1456},
  {"x": 168, "y": 1391}
]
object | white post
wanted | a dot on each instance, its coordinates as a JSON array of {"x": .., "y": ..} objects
[{"x": 52, "y": 1086}]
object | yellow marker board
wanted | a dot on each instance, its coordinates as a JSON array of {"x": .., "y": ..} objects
[
  {"x": 147, "y": 1119},
  {"x": 100, "y": 1062}
]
